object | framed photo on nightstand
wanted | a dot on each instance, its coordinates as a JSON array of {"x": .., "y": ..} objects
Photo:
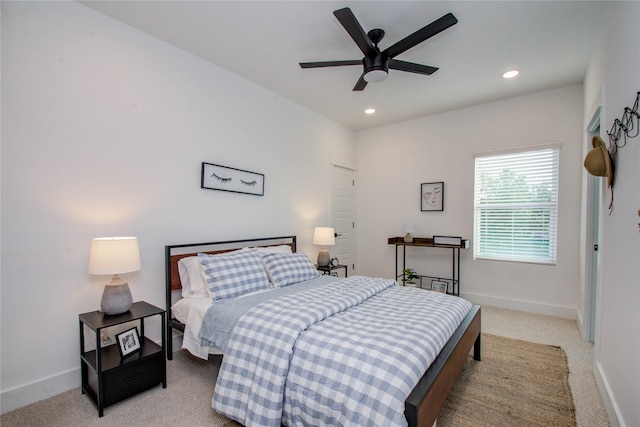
[{"x": 128, "y": 342}]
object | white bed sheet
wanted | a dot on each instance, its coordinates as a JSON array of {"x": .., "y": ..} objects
[{"x": 191, "y": 311}]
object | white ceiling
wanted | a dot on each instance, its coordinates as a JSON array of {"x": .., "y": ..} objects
[{"x": 550, "y": 42}]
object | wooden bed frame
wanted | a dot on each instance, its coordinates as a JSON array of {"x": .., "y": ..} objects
[{"x": 425, "y": 402}]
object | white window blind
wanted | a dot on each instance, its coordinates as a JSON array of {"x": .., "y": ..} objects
[{"x": 516, "y": 206}]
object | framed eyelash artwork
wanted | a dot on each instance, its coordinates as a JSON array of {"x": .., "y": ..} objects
[{"x": 224, "y": 178}]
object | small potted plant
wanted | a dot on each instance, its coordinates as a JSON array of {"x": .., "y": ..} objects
[{"x": 409, "y": 276}]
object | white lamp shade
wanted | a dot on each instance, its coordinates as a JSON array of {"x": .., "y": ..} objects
[
  {"x": 407, "y": 227},
  {"x": 114, "y": 255},
  {"x": 324, "y": 236}
]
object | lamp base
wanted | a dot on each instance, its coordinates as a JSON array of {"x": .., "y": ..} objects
[
  {"x": 116, "y": 299},
  {"x": 323, "y": 258},
  {"x": 408, "y": 238}
]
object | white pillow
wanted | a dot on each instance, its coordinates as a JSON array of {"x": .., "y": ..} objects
[
  {"x": 288, "y": 269},
  {"x": 280, "y": 249},
  {"x": 194, "y": 284},
  {"x": 235, "y": 274}
]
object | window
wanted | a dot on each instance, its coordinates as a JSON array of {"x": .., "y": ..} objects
[{"x": 516, "y": 205}]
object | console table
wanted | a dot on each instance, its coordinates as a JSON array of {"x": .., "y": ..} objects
[{"x": 454, "y": 280}]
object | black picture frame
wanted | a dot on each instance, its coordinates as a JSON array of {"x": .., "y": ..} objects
[
  {"x": 224, "y": 178},
  {"x": 432, "y": 196},
  {"x": 128, "y": 342}
]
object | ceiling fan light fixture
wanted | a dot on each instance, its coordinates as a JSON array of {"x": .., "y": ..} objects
[
  {"x": 510, "y": 74},
  {"x": 375, "y": 76},
  {"x": 376, "y": 68}
]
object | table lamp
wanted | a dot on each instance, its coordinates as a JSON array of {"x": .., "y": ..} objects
[
  {"x": 324, "y": 236},
  {"x": 114, "y": 255}
]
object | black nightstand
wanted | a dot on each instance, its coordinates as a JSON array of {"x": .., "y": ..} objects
[
  {"x": 106, "y": 377},
  {"x": 330, "y": 268}
]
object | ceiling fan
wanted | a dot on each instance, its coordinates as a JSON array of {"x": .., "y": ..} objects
[{"x": 377, "y": 63}]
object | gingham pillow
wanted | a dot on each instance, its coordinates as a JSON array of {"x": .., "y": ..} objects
[
  {"x": 232, "y": 275},
  {"x": 288, "y": 269}
]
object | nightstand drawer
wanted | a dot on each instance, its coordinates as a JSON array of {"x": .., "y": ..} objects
[{"x": 132, "y": 378}]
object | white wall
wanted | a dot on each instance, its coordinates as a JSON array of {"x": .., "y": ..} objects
[
  {"x": 613, "y": 80},
  {"x": 394, "y": 160},
  {"x": 103, "y": 132}
]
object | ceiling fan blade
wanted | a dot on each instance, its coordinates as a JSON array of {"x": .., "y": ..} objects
[
  {"x": 353, "y": 27},
  {"x": 330, "y": 63},
  {"x": 421, "y": 35},
  {"x": 360, "y": 84},
  {"x": 411, "y": 67}
]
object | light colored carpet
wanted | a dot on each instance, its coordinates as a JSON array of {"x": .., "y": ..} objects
[{"x": 187, "y": 398}]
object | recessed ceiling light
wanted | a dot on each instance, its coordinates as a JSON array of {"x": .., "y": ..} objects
[
  {"x": 370, "y": 110},
  {"x": 510, "y": 74}
]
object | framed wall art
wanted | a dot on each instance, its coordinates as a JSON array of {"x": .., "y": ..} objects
[
  {"x": 224, "y": 178},
  {"x": 432, "y": 196}
]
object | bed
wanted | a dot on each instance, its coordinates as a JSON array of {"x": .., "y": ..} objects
[{"x": 424, "y": 400}]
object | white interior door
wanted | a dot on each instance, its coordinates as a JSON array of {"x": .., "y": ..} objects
[
  {"x": 594, "y": 190},
  {"x": 592, "y": 261},
  {"x": 344, "y": 185}
]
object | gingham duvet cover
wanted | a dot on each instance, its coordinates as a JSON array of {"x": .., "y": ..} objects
[{"x": 343, "y": 354}]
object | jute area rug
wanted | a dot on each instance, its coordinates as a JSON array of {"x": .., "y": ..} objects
[{"x": 517, "y": 383}]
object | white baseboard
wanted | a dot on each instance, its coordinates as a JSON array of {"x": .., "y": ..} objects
[
  {"x": 39, "y": 390},
  {"x": 519, "y": 305},
  {"x": 615, "y": 418},
  {"x": 581, "y": 326}
]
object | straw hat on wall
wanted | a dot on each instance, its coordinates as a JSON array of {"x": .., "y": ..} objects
[{"x": 598, "y": 161}]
